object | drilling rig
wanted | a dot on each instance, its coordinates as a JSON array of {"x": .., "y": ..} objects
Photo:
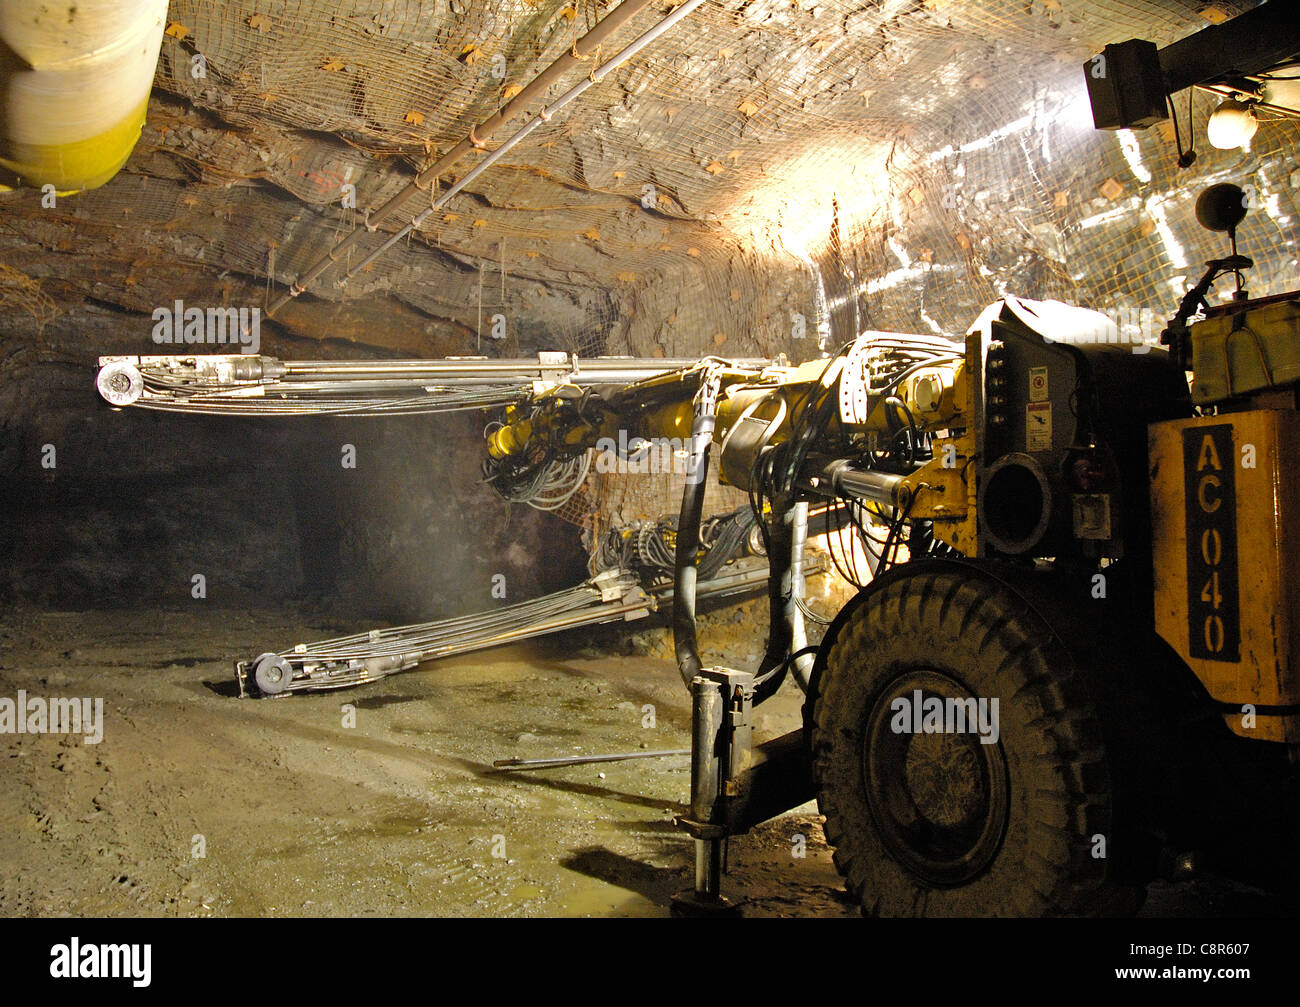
[{"x": 1068, "y": 666}]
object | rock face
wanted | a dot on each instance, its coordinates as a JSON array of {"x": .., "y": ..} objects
[
  {"x": 768, "y": 177},
  {"x": 365, "y": 518}
]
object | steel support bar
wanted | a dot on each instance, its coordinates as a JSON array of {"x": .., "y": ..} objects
[
  {"x": 721, "y": 732},
  {"x": 734, "y": 785},
  {"x": 1130, "y": 83},
  {"x": 1247, "y": 44}
]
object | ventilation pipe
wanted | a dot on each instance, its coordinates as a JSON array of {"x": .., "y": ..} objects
[{"x": 75, "y": 78}]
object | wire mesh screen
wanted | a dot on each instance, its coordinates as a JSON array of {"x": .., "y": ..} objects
[
  {"x": 625, "y": 500},
  {"x": 766, "y": 171},
  {"x": 771, "y": 176}
]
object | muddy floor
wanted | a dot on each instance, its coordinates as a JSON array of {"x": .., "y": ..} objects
[{"x": 380, "y": 800}]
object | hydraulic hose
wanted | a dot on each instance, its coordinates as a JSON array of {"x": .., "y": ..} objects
[
  {"x": 803, "y": 661},
  {"x": 786, "y": 541},
  {"x": 781, "y": 609},
  {"x": 686, "y": 571}
]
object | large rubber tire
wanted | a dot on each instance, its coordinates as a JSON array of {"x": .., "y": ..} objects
[{"x": 940, "y": 824}]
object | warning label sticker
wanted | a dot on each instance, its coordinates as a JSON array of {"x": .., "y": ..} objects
[
  {"x": 1038, "y": 384},
  {"x": 1038, "y": 426}
]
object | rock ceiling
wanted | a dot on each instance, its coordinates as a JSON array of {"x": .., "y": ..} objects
[{"x": 765, "y": 167}]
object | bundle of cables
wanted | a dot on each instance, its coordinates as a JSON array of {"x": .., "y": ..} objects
[
  {"x": 549, "y": 473},
  {"x": 888, "y": 361},
  {"x": 546, "y": 486},
  {"x": 650, "y": 545}
]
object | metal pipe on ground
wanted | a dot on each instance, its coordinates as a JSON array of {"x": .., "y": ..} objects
[{"x": 584, "y": 760}]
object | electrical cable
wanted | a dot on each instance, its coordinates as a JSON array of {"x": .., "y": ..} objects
[{"x": 1185, "y": 158}]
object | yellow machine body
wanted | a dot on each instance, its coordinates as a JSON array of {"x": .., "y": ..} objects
[
  {"x": 1237, "y": 354},
  {"x": 1225, "y": 495},
  {"x": 938, "y": 398}
]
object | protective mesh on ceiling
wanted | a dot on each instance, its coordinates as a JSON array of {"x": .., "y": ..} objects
[
  {"x": 770, "y": 175},
  {"x": 890, "y": 164}
]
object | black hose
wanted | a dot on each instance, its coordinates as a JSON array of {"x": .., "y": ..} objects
[
  {"x": 780, "y": 633},
  {"x": 685, "y": 570},
  {"x": 732, "y": 532},
  {"x": 913, "y": 435}
]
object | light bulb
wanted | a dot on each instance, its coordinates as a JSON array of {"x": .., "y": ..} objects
[{"x": 1232, "y": 125}]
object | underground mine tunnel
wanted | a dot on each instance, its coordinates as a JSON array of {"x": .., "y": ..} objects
[{"x": 585, "y": 458}]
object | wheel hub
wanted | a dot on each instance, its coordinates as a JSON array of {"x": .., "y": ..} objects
[
  {"x": 943, "y": 778},
  {"x": 939, "y": 796}
]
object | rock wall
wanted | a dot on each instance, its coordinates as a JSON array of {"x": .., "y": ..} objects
[{"x": 105, "y": 508}]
